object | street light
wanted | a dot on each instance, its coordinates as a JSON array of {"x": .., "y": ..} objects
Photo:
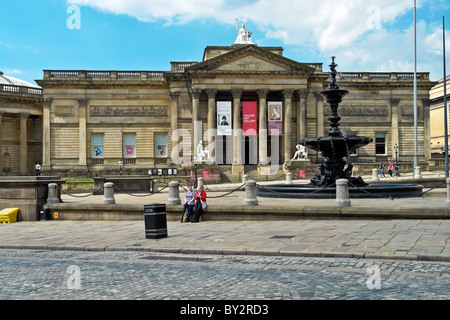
[
  {"x": 38, "y": 168},
  {"x": 396, "y": 150},
  {"x": 195, "y": 173},
  {"x": 120, "y": 166}
]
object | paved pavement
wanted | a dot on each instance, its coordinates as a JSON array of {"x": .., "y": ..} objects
[{"x": 411, "y": 239}]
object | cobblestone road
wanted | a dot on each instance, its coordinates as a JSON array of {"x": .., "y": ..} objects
[{"x": 82, "y": 275}]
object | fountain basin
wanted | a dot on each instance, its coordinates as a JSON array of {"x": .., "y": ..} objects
[
  {"x": 336, "y": 147},
  {"x": 379, "y": 190}
]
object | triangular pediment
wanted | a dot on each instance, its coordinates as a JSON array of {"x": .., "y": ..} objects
[{"x": 252, "y": 59}]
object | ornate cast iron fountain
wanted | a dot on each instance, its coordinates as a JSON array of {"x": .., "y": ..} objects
[{"x": 335, "y": 147}]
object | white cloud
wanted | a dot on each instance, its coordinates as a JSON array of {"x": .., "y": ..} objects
[{"x": 357, "y": 31}]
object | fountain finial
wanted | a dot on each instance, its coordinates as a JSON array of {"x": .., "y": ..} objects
[{"x": 333, "y": 66}]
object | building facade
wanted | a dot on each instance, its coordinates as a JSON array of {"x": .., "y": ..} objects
[
  {"x": 20, "y": 126},
  {"x": 437, "y": 115},
  {"x": 243, "y": 106}
]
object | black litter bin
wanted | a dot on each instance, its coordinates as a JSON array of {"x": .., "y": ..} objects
[{"x": 155, "y": 221}]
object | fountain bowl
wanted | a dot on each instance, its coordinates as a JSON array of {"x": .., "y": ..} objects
[{"x": 307, "y": 191}]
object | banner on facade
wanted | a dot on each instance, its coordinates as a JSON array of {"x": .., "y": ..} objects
[
  {"x": 224, "y": 118},
  {"x": 275, "y": 111},
  {"x": 249, "y": 118}
]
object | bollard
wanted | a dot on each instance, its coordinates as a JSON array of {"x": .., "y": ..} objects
[
  {"x": 447, "y": 202},
  {"x": 342, "y": 195},
  {"x": 155, "y": 186},
  {"x": 244, "y": 178},
  {"x": 374, "y": 174},
  {"x": 250, "y": 193},
  {"x": 174, "y": 193},
  {"x": 288, "y": 178},
  {"x": 108, "y": 196},
  {"x": 200, "y": 182},
  {"x": 52, "y": 197},
  {"x": 417, "y": 173}
]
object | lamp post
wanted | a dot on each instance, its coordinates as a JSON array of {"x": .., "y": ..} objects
[
  {"x": 120, "y": 167},
  {"x": 38, "y": 168},
  {"x": 195, "y": 173},
  {"x": 396, "y": 150}
]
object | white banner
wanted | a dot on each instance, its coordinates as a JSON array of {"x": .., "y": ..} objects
[{"x": 224, "y": 118}]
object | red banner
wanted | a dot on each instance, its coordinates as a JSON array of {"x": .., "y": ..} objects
[{"x": 249, "y": 117}]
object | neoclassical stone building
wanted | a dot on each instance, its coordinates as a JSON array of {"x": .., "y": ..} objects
[
  {"x": 248, "y": 105},
  {"x": 20, "y": 126},
  {"x": 437, "y": 115}
]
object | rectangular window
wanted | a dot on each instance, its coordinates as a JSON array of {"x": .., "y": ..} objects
[
  {"x": 129, "y": 145},
  {"x": 97, "y": 145},
  {"x": 161, "y": 145},
  {"x": 380, "y": 143}
]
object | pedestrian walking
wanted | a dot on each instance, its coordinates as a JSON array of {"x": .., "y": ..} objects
[
  {"x": 390, "y": 167},
  {"x": 396, "y": 169},
  {"x": 382, "y": 170}
]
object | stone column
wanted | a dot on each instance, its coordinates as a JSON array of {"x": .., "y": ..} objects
[
  {"x": 319, "y": 108},
  {"x": 23, "y": 144},
  {"x": 82, "y": 106},
  {"x": 262, "y": 93},
  {"x": 211, "y": 114},
  {"x": 237, "y": 126},
  {"x": 394, "y": 125},
  {"x": 287, "y": 93},
  {"x": 302, "y": 115},
  {"x": 47, "y": 103},
  {"x": 174, "y": 95},
  {"x": 197, "y": 132},
  {"x": 1, "y": 144}
]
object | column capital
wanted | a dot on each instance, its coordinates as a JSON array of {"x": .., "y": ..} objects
[
  {"x": 237, "y": 93},
  {"x": 82, "y": 102},
  {"x": 426, "y": 102},
  {"x": 47, "y": 102},
  {"x": 394, "y": 102},
  {"x": 262, "y": 93},
  {"x": 195, "y": 93},
  {"x": 211, "y": 93},
  {"x": 287, "y": 93},
  {"x": 174, "y": 95},
  {"x": 23, "y": 116},
  {"x": 319, "y": 96},
  {"x": 304, "y": 93}
]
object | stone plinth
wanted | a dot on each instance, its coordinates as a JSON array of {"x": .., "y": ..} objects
[
  {"x": 123, "y": 183},
  {"x": 28, "y": 193}
]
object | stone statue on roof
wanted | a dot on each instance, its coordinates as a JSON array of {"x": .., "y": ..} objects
[{"x": 244, "y": 37}]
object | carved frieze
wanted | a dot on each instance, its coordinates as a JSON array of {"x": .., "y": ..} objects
[
  {"x": 148, "y": 111},
  {"x": 358, "y": 111}
]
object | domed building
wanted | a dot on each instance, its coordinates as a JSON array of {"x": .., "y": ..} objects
[{"x": 20, "y": 126}]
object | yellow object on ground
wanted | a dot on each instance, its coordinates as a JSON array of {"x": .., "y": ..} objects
[{"x": 8, "y": 215}]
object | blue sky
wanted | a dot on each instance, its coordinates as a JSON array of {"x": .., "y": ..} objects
[{"x": 148, "y": 34}]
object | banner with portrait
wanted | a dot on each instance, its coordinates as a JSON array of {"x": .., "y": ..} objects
[
  {"x": 224, "y": 118},
  {"x": 275, "y": 112}
]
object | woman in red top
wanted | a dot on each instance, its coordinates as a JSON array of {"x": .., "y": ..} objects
[{"x": 200, "y": 204}]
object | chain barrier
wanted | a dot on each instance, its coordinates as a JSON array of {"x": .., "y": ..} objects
[
  {"x": 78, "y": 196},
  {"x": 139, "y": 195},
  {"x": 304, "y": 193}
]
